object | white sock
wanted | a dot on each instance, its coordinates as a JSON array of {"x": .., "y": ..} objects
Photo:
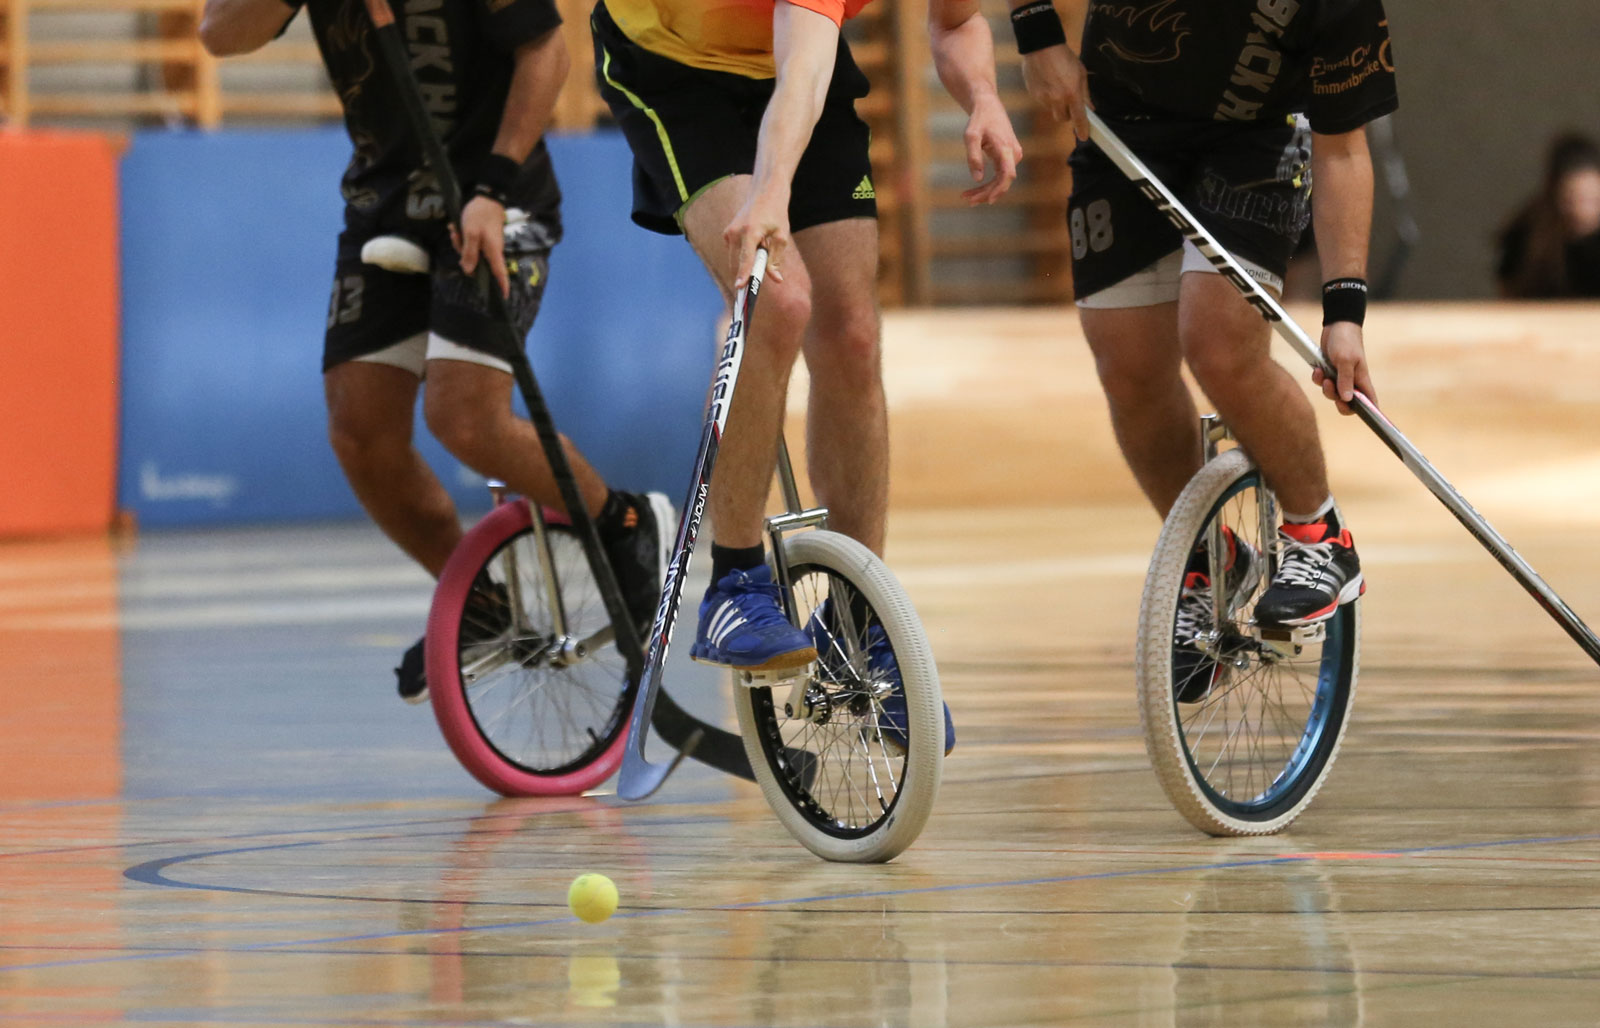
[{"x": 1317, "y": 515}]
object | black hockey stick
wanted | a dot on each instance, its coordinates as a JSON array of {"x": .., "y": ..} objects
[
  {"x": 720, "y": 749},
  {"x": 1295, "y": 336},
  {"x": 639, "y": 777}
]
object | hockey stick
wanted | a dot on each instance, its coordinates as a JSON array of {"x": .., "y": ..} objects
[
  {"x": 1295, "y": 336},
  {"x": 639, "y": 777},
  {"x": 718, "y": 748}
]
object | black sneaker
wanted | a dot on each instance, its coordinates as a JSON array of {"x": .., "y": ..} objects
[
  {"x": 487, "y": 616},
  {"x": 638, "y": 550},
  {"x": 1317, "y": 574},
  {"x": 1194, "y": 672}
]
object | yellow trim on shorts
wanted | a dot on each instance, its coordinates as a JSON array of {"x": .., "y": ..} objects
[
  {"x": 661, "y": 130},
  {"x": 683, "y": 208}
]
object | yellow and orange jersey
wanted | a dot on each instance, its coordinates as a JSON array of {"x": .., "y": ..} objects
[{"x": 717, "y": 35}]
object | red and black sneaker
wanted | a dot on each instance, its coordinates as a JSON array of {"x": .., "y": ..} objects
[
  {"x": 1194, "y": 671},
  {"x": 1318, "y": 572}
]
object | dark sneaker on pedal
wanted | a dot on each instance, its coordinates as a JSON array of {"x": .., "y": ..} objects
[
  {"x": 488, "y": 614},
  {"x": 742, "y": 626},
  {"x": 1194, "y": 672},
  {"x": 834, "y": 665},
  {"x": 1317, "y": 574},
  {"x": 638, "y": 551}
]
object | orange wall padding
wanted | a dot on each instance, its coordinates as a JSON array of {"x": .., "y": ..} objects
[{"x": 58, "y": 332}]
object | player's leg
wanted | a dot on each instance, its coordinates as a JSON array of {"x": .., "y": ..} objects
[
  {"x": 847, "y": 421},
  {"x": 1137, "y": 358},
  {"x": 742, "y": 623},
  {"x": 373, "y": 358},
  {"x": 1255, "y": 184},
  {"x": 468, "y": 409},
  {"x": 372, "y": 362},
  {"x": 370, "y": 410},
  {"x": 748, "y": 453},
  {"x": 1125, "y": 268},
  {"x": 1228, "y": 347}
]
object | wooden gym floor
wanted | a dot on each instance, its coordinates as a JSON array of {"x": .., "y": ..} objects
[{"x": 214, "y": 811}]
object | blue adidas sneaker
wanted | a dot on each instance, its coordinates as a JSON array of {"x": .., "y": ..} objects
[
  {"x": 742, "y": 626},
  {"x": 834, "y": 664}
]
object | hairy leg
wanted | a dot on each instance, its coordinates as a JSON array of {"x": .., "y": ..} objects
[
  {"x": 1228, "y": 348},
  {"x": 847, "y": 421},
  {"x": 1137, "y": 356},
  {"x": 468, "y": 407},
  {"x": 743, "y": 475},
  {"x": 370, "y": 409}
]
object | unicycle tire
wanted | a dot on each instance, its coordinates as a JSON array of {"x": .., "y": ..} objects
[
  {"x": 1249, "y": 755},
  {"x": 856, "y": 795},
  {"x": 523, "y": 715}
]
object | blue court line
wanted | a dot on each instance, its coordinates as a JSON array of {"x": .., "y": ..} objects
[
  {"x": 470, "y": 818},
  {"x": 754, "y": 904}
]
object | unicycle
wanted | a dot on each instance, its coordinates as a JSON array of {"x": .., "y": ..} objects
[
  {"x": 849, "y": 753},
  {"x": 1242, "y": 722},
  {"x": 527, "y": 683}
]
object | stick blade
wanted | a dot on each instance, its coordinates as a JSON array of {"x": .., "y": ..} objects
[{"x": 640, "y": 778}]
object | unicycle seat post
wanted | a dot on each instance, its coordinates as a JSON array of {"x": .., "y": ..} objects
[{"x": 795, "y": 517}]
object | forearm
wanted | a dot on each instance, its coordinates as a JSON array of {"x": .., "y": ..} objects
[
  {"x": 540, "y": 72},
  {"x": 230, "y": 27},
  {"x": 804, "y": 51},
  {"x": 963, "y": 52},
  {"x": 1341, "y": 171}
]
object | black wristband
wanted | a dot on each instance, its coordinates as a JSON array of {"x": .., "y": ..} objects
[
  {"x": 1037, "y": 27},
  {"x": 1344, "y": 299},
  {"x": 497, "y": 177}
]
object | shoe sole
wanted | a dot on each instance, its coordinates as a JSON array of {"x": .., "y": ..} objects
[
  {"x": 781, "y": 667},
  {"x": 419, "y": 698},
  {"x": 1353, "y": 589}
]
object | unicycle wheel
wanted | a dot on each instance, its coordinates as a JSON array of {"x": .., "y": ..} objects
[
  {"x": 528, "y": 709},
  {"x": 849, "y": 755},
  {"x": 1242, "y": 725}
]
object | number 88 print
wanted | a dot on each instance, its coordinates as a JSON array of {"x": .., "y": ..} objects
[{"x": 1091, "y": 229}]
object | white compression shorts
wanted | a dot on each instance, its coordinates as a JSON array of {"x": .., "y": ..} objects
[{"x": 1158, "y": 283}]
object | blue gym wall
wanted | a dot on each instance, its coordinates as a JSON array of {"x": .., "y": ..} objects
[{"x": 227, "y": 256}]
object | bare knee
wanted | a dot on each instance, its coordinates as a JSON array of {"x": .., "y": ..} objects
[
  {"x": 845, "y": 345},
  {"x": 462, "y": 426},
  {"x": 1221, "y": 363},
  {"x": 1136, "y": 354},
  {"x": 782, "y": 314},
  {"x": 365, "y": 438}
]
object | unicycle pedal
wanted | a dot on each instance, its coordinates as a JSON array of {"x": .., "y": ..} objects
[
  {"x": 769, "y": 678},
  {"x": 1289, "y": 640}
]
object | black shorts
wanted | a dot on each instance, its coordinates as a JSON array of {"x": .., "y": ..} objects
[
  {"x": 689, "y": 128},
  {"x": 372, "y": 309},
  {"x": 1249, "y": 185}
]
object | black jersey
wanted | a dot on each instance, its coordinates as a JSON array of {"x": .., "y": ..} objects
[
  {"x": 1241, "y": 60},
  {"x": 461, "y": 55}
]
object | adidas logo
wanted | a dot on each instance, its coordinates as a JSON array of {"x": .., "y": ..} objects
[{"x": 865, "y": 191}]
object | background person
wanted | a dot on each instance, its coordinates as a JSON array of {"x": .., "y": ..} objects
[{"x": 1550, "y": 249}]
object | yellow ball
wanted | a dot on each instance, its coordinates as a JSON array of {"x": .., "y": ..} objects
[{"x": 592, "y": 898}]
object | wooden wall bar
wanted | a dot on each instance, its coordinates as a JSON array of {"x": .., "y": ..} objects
[{"x": 140, "y": 63}]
